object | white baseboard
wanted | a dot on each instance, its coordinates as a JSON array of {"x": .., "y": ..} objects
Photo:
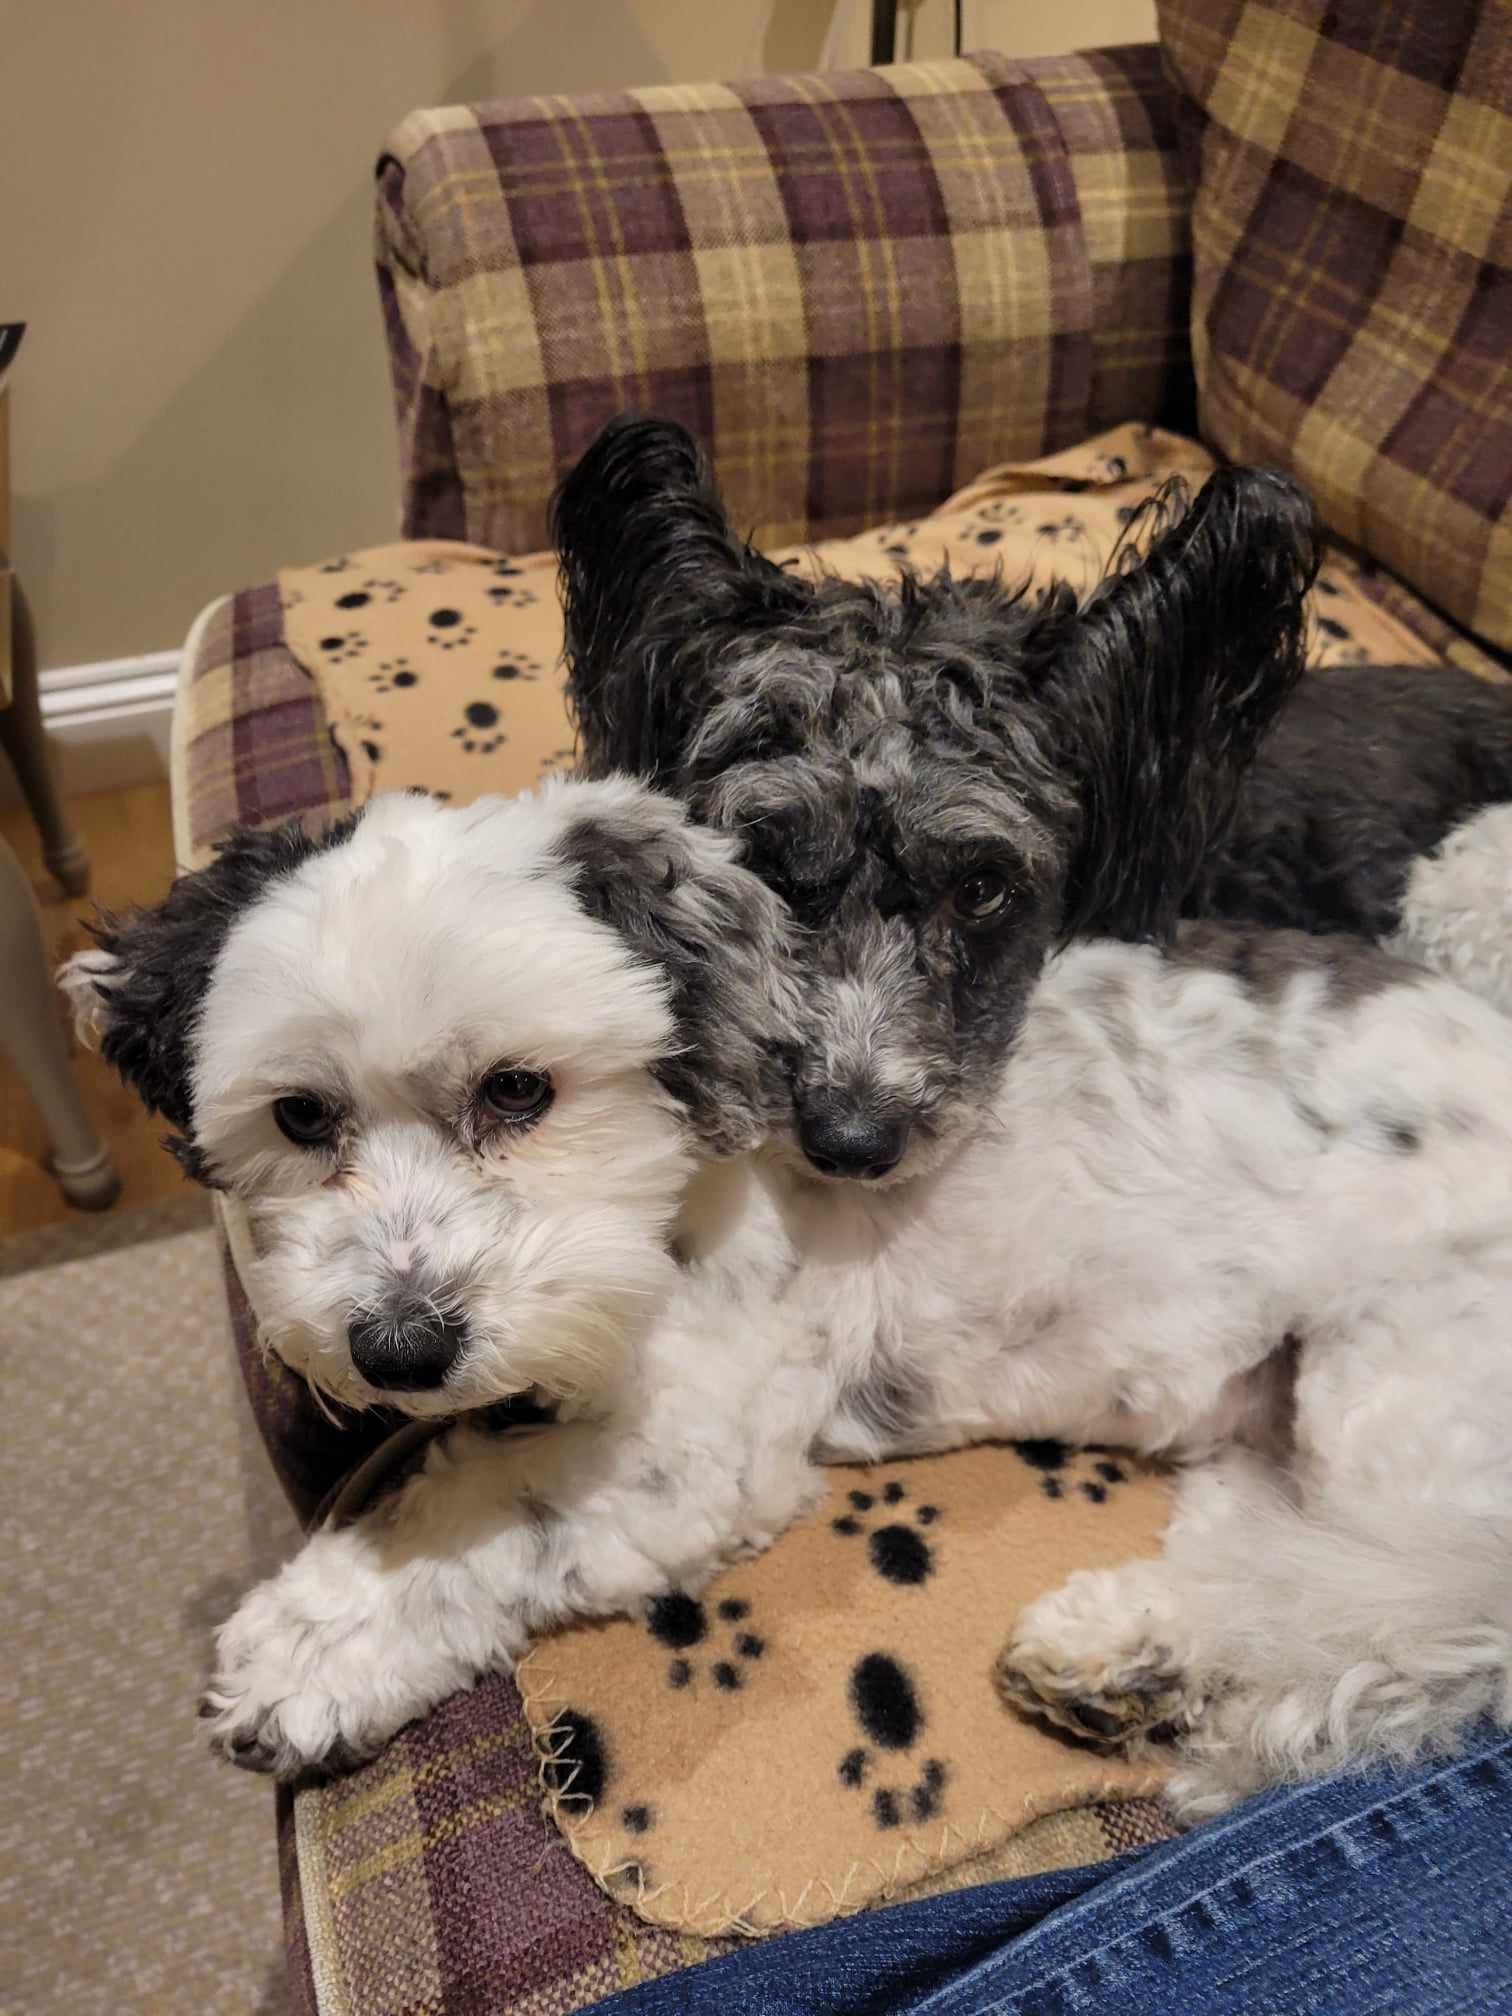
[{"x": 108, "y": 723}]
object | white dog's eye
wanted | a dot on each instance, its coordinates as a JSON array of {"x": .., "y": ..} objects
[
  {"x": 305, "y": 1119},
  {"x": 516, "y": 1095},
  {"x": 980, "y": 896}
]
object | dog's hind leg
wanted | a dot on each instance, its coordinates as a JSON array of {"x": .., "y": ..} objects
[
  {"x": 1109, "y": 1655},
  {"x": 1368, "y": 1615}
]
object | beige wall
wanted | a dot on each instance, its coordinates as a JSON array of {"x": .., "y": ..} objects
[{"x": 184, "y": 222}]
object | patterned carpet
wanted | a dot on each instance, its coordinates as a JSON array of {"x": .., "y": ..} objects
[{"x": 135, "y": 1504}]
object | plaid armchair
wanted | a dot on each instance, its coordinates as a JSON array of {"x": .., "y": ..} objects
[{"x": 858, "y": 290}]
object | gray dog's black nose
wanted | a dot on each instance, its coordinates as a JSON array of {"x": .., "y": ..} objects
[
  {"x": 407, "y": 1350},
  {"x": 841, "y": 1138}
]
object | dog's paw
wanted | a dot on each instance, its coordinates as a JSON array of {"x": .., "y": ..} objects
[
  {"x": 285, "y": 1740},
  {"x": 298, "y": 1693},
  {"x": 1099, "y": 1657}
]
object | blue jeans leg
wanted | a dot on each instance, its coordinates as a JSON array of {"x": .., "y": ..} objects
[{"x": 1379, "y": 1894}]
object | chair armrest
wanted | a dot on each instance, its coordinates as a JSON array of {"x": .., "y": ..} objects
[{"x": 857, "y": 288}]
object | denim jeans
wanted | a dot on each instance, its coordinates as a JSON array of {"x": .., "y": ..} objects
[{"x": 1382, "y": 1894}]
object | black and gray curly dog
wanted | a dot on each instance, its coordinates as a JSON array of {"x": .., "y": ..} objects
[{"x": 915, "y": 766}]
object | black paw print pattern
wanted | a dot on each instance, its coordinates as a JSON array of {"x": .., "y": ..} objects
[
  {"x": 898, "y": 1551},
  {"x": 895, "y": 540},
  {"x": 987, "y": 526},
  {"x": 1345, "y": 651},
  {"x": 370, "y": 592},
  {"x": 480, "y": 733},
  {"x": 371, "y": 749},
  {"x": 1057, "y": 529},
  {"x": 885, "y": 1704},
  {"x": 511, "y": 592},
  {"x": 578, "y": 1765},
  {"x": 393, "y": 675},
  {"x": 517, "y": 667},
  {"x": 1058, "y": 1461},
  {"x": 342, "y": 564},
  {"x": 636, "y": 1818},
  {"x": 448, "y": 630},
  {"x": 559, "y": 759},
  {"x": 580, "y": 1768},
  {"x": 681, "y": 1624},
  {"x": 341, "y": 645}
]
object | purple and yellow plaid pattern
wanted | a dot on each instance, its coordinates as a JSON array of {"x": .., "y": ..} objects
[
  {"x": 254, "y": 744},
  {"x": 857, "y": 289},
  {"x": 1352, "y": 310},
  {"x": 432, "y": 1881}
]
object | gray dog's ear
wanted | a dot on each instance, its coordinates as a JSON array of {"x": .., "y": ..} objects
[
  {"x": 1170, "y": 676},
  {"x": 679, "y": 899},
  {"x": 653, "y": 582},
  {"x": 137, "y": 996}
]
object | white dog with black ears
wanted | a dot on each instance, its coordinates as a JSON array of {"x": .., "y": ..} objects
[{"x": 480, "y": 1075}]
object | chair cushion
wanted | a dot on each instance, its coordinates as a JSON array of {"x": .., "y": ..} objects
[{"x": 1352, "y": 285}]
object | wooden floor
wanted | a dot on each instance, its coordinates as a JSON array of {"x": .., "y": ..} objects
[{"x": 131, "y": 846}]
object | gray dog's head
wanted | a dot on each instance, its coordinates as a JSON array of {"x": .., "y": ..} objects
[{"x": 944, "y": 778}]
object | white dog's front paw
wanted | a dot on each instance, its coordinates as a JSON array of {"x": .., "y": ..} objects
[
  {"x": 321, "y": 1666},
  {"x": 1101, "y": 1658},
  {"x": 285, "y": 1697}
]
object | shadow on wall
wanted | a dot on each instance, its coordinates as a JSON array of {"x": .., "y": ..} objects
[{"x": 279, "y": 445}]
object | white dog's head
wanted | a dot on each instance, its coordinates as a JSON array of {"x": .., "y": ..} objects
[{"x": 460, "y": 1064}]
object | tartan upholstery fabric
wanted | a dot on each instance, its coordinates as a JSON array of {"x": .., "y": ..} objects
[
  {"x": 257, "y": 749},
  {"x": 856, "y": 288},
  {"x": 1352, "y": 294},
  {"x": 431, "y": 1880}
]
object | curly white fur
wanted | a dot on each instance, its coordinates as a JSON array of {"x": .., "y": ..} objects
[
  {"x": 1457, "y": 912},
  {"x": 1266, "y": 1231}
]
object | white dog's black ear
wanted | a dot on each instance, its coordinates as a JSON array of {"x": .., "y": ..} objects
[
  {"x": 1173, "y": 671},
  {"x": 679, "y": 900},
  {"x": 137, "y": 997},
  {"x": 653, "y": 580}
]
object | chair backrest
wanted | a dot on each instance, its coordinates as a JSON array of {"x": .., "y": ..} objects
[{"x": 858, "y": 289}]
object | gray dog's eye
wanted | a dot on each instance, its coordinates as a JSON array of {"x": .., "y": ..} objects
[
  {"x": 516, "y": 1095},
  {"x": 305, "y": 1119},
  {"x": 980, "y": 896}
]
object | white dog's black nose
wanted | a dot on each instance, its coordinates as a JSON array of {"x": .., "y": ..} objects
[
  {"x": 841, "y": 1138},
  {"x": 405, "y": 1350}
]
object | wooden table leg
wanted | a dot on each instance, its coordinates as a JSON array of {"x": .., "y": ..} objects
[
  {"x": 25, "y": 743},
  {"x": 31, "y": 1036}
]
